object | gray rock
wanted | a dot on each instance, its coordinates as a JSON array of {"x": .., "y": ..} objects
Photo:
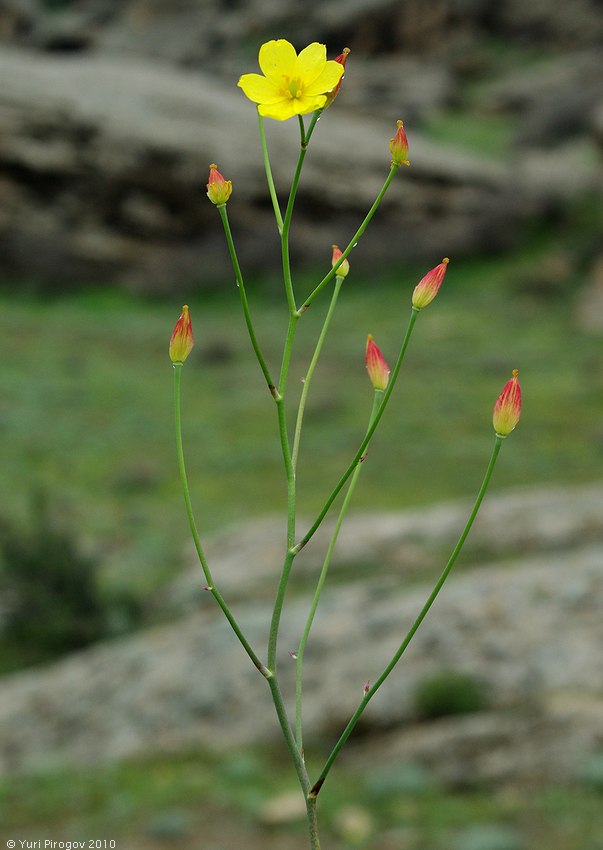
[
  {"x": 104, "y": 161},
  {"x": 530, "y": 628},
  {"x": 578, "y": 22},
  {"x": 198, "y": 32},
  {"x": 512, "y": 525},
  {"x": 554, "y": 101},
  {"x": 415, "y": 89}
]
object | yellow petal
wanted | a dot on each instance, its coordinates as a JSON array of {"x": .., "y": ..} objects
[
  {"x": 279, "y": 111},
  {"x": 277, "y": 58},
  {"x": 303, "y": 105},
  {"x": 259, "y": 89},
  {"x": 311, "y": 62},
  {"x": 327, "y": 80}
]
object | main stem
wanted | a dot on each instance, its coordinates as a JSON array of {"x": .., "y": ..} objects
[
  {"x": 280, "y": 399},
  {"x": 413, "y": 629},
  {"x": 284, "y": 226},
  {"x": 312, "y": 816},
  {"x": 298, "y": 761}
]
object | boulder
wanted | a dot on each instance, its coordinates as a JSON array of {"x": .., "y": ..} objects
[
  {"x": 554, "y": 101},
  {"x": 528, "y": 628},
  {"x": 103, "y": 163}
]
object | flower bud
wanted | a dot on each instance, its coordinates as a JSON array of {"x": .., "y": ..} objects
[
  {"x": 344, "y": 268},
  {"x": 181, "y": 343},
  {"x": 331, "y": 95},
  {"x": 399, "y": 146},
  {"x": 507, "y": 408},
  {"x": 218, "y": 189},
  {"x": 378, "y": 370},
  {"x": 427, "y": 288}
]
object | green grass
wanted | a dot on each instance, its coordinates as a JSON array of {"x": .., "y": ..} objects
[
  {"x": 198, "y": 801},
  {"x": 86, "y": 404},
  {"x": 489, "y": 135},
  {"x": 85, "y": 414}
]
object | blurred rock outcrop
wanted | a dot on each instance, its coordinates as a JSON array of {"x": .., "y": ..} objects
[
  {"x": 528, "y": 627},
  {"x": 111, "y": 114},
  {"x": 198, "y": 32}
]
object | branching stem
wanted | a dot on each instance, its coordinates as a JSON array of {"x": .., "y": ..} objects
[{"x": 413, "y": 629}]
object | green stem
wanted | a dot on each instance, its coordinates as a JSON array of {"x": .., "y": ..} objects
[
  {"x": 281, "y": 407},
  {"x": 281, "y": 713},
  {"x": 353, "y": 241},
  {"x": 304, "y": 141},
  {"x": 293, "y": 314},
  {"x": 298, "y": 762},
  {"x": 311, "y": 803},
  {"x": 289, "y": 472},
  {"x": 310, "y": 372},
  {"x": 413, "y": 629},
  {"x": 269, "y": 178},
  {"x": 362, "y": 448},
  {"x": 277, "y": 610},
  {"x": 243, "y": 295},
  {"x": 193, "y": 527},
  {"x": 321, "y": 580}
]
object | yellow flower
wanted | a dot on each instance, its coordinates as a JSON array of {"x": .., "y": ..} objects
[{"x": 292, "y": 84}]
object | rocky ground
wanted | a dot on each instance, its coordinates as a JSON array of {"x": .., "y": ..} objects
[
  {"x": 523, "y": 616},
  {"x": 111, "y": 114}
]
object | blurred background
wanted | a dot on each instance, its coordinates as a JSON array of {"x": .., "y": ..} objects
[{"x": 127, "y": 710}]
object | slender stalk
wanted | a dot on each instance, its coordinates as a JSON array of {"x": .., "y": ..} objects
[
  {"x": 367, "y": 438},
  {"x": 243, "y": 295},
  {"x": 193, "y": 527},
  {"x": 289, "y": 472},
  {"x": 353, "y": 241},
  {"x": 320, "y": 584},
  {"x": 269, "y": 179},
  {"x": 413, "y": 629},
  {"x": 277, "y": 610},
  {"x": 286, "y": 226},
  {"x": 304, "y": 141},
  {"x": 281, "y": 406},
  {"x": 281, "y": 713},
  {"x": 298, "y": 762},
  {"x": 310, "y": 372},
  {"x": 311, "y": 802}
]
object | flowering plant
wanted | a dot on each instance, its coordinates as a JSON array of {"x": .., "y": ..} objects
[{"x": 297, "y": 85}]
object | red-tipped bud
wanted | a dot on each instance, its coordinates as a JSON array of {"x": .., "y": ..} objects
[
  {"x": 181, "y": 343},
  {"x": 331, "y": 95},
  {"x": 219, "y": 190},
  {"x": 427, "y": 288},
  {"x": 377, "y": 368},
  {"x": 507, "y": 408},
  {"x": 344, "y": 268},
  {"x": 399, "y": 146},
  {"x": 367, "y": 687}
]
